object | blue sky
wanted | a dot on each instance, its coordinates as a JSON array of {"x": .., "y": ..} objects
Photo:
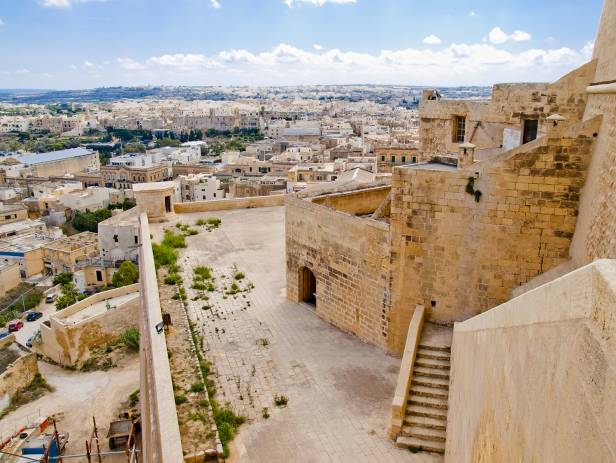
[{"x": 91, "y": 43}]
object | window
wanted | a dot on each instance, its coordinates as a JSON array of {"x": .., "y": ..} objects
[
  {"x": 115, "y": 238},
  {"x": 459, "y": 129},
  {"x": 414, "y": 159},
  {"x": 99, "y": 275},
  {"x": 214, "y": 195},
  {"x": 383, "y": 158},
  {"x": 393, "y": 159},
  {"x": 403, "y": 158},
  {"x": 530, "y": 130},
  {"x": 136, "y": 239}
]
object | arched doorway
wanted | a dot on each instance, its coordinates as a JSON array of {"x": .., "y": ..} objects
[{"x": 307, "y": 286}]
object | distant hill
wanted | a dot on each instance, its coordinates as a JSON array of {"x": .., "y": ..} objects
[{"x": 377, "y": 93}]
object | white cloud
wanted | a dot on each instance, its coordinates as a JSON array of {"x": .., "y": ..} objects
[
  {"x": 431, "y": 40},
  {"x": 520, "y": 36},
  {"x": 317, "y": 46},
  {"x": 73, "y": 67},
  {"x": 499, "y": 36},
  {"x": 456, "y": 64},
  {"x": 63, "y": 4},
  {"x": 183, "y": 62},
  {"x": 1, "y": 22},
  {"x": 588, "y": 49},
  {"x": 130, "y": 64},
  {"x": 473, "y": 14},
  {"x": 291, "y": 3},
  {"x": 23, "y": 71},
  {"x": 88, "y": 64},
  {"x": 215, "y": 4}
]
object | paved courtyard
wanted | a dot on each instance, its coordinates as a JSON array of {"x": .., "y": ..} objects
[{"x": 339, "y": 389}]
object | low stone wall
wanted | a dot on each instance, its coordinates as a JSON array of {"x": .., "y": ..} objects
[
  {"x": 403, "y": 386},
  {"x": 70, "y": 344},
  {"x": 534, "y": 378},
  {"x": 17, "y": 376},
  {"x": 233, "y": 203},
  {"x": 349, "y": 256},
  {"x": 160, "y": 432},
  {"x": 355, "y": 202}
]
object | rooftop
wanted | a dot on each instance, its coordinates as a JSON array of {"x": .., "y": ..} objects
[{"x": 41, "y": 158}]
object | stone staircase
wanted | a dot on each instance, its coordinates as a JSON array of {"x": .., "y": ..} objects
[{"x": 425, "y": 421}]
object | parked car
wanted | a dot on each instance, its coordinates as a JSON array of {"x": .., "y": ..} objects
[
  {"x": 15, "y": 325},
  {"x": 32, "y": 316},
  {"x": 29, "y": 342},
  {"x": 4, "y": 334},
  {"x": 50, "y": 298}
]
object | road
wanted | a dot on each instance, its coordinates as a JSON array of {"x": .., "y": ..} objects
[{"x": 32, "y": 327}]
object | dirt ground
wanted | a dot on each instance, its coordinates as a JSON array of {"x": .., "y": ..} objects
[
  {"x": 77, "y": 397},
  {"x": 195, "y": 422}
]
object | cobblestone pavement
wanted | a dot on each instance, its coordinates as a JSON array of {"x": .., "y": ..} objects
[{"x": 339, "y": 389}]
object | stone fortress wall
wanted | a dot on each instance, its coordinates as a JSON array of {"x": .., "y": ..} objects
[
  {"x": 496, "y": 125},
  {"x": 348, "y": 255},
  {"x": 458, "y": 256}
]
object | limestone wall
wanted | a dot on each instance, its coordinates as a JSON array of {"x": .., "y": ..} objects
[
  {"x": 534, "y": 378},
  {"x": 487, "y": 122},
  {"x": 17, "y": 375},
  {"x": 595, "y": 236},
  {"x": 160, "y": 432},
  {"x": 233, "y": 203},
  {"x": 356, "y": 202},
  {"x": 70, "y": 343},
  {"x": 459, "y": 257},
  {"x": 349, "y": 257}
]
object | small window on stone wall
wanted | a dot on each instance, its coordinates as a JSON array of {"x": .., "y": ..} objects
[{"x": 459, "y": 129}]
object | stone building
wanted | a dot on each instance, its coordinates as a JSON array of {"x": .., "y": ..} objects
[
  {"x": 496, "y": 232},
  {"x": 391, "y": 155}
]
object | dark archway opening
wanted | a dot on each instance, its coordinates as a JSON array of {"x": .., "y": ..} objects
[{"x": 308, "y": 286}]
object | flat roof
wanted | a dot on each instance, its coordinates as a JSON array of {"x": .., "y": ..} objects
[
  {"x": 153, "y": 186},
  {"x": 41, "y": 158}
]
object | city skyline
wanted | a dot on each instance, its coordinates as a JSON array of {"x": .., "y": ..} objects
[{"x": 92, "y": 43}]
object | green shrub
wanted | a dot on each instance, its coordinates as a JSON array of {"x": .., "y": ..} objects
[
  {"x": 164, "y": 255},
  {"x": 214, "y": 221},
  {"x": 130, "y": 338},
  {"x": 173, "y": 279},
  {"x": 133, "y": 398},
  {"x": 202, "y": 272},
  {"x": 239, "y": 276},
  {"x": 200, "y": 222},
  {"x": 179, "y": 399},
  {"x": 180, "y": 295},
  {"x": 197, "y": 387},
  {"x": 199, "y": 286},
  {"x": 173, "y": 241}
]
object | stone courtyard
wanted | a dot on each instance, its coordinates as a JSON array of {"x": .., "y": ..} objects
[{"x": 339, "y": 389}]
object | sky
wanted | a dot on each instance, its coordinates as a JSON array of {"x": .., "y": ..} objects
[{"x": 75, "y": 44}]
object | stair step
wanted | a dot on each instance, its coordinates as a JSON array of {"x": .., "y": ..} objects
[
  {"x": 431, "y": 382},
  {"x": 428, "y": 402},
  {"x": 430, "y": 372},
  {"x": 423, "y": 391},
  {"x": 420, "y": 444},
  {"x": 432, "y": 354},
  {"x": 435, "y": 348},
  {"x": 433, "y": 363},
  {"x": 414, "y": 410},
  {"x": 426, "y": 422},
  {"x": 435, "y": 435}
]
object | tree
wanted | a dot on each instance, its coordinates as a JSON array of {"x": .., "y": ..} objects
[
  {"x": 70, "y": 295},
  {"x": 63, "y": 278},
  {"x": 127, "y": 274}
]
